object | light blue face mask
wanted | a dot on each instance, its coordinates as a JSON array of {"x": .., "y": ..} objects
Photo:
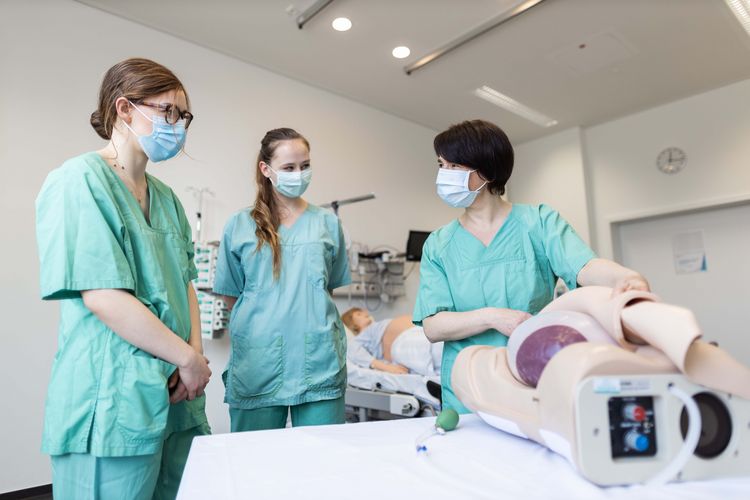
[
  {"x": 165, "y": 140},
  {"x": 453, "y": 187},
  {"x": 292, "y": 184}
]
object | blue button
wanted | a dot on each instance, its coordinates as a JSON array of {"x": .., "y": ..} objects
[{"x": 636, "y": 441}]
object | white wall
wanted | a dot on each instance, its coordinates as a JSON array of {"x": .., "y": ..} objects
[
  {"x": 53, "y": 55},
  {"x": 712, "y": 128},
  {"x": 608, "y": 171},
  {"x": 550, "y": 170}
]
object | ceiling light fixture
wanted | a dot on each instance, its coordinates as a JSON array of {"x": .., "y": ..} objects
[
  {"x": 341, "y": 24},
  {"x": 491, "y": 95},
  {"x": 311, "y": 12},
  {"x": 741, "y": 10},
  {"x": 519, "y": 8},
  {"x": 401, "y": 52}
]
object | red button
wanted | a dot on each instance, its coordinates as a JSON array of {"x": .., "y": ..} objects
[{"x": 634, "y": 412}]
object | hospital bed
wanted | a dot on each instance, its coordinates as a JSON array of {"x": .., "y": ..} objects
[
  {"x": 377, "y": 395},
  {"x": 376, "y": 460}
]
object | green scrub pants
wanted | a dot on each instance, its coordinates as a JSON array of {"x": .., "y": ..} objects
[
  {"x": 329, "y": 411},
  {"x": 173, "y": 458},
  {"x": 80, "y": 476}
]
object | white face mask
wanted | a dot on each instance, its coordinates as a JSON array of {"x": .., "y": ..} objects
[
  {"x": 292, "y": 184},
  {"x": 453, "y": 187}
]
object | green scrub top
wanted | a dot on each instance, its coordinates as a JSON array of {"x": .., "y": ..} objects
[
  {"x": 288, "y": 342},
  {"x": 106, "y": 397},
  {"x": 517, "y": 270}
]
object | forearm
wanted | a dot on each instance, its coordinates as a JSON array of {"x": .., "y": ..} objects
[
  {"x": 448, "y": 325},
  {"x": 136, "y": 324},
  {"x": 604, "y": 272},
  {"x": 196, "y": 341}
]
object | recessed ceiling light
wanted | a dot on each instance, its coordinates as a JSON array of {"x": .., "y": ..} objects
[
  {"x": 401, "y": 52},
  {"x": 741, "y": 9},
  {"x": 341, "y": 24},
  {"x": 491, "y": 95}
]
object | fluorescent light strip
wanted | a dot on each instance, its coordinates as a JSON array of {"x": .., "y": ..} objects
[
  {"x": 491, "y": 95},
  {"x": 741, "y": 9}
]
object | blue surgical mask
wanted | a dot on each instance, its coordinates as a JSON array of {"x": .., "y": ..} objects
[
  {"x": 292, "y": 184},
  {"x": 453, "y": 187},
  {"x": 165, "y": 140}
]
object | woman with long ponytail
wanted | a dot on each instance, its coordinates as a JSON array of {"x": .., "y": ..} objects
[{"x": 278, "y": 262}]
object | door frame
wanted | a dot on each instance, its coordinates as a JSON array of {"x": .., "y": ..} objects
[{"x": 659, "y": 213}]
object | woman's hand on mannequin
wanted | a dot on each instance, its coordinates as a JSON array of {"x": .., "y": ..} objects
[
  {"x": 605, "y": 272},
  {"x": 509, "y": 319},
  {"x": 631, "y": 282}
]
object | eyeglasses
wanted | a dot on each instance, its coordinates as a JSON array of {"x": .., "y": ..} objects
[{"x": 172, "y": 114}]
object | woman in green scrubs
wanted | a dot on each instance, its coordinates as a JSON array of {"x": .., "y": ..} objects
[
  {"x": 487, "y": 271},
  {"x": 278, "y": 262},
  {"x": 126, "y": 392}
]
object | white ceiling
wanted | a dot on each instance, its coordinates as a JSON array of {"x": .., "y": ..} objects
[{"x": 638, "y": 53}]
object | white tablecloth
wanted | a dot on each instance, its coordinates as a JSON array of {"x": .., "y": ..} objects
[{"x": 377, "y": 460}]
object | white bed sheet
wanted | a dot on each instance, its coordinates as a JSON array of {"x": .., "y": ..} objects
[
  {"x": 367, "y": 378},
  {"x": 376, "y": 460}
]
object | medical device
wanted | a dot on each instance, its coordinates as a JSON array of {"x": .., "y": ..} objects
[
  {"x": 414, "y": 245},
  {"x": 650, "y": 428},
  {"x": 446, "y": 421},
  {"x": 377, "y": 276},
  {"x": 654, "y": 429},
  {"x": 206, "y": 255},
  {"x": 652, "y": 405},
  {"x": 214, "y": 314},
  {"x": 213, "y": 310},
  {"x": 629, "y": 408}
]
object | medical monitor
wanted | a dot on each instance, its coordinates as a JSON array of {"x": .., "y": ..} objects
[{"x": 414, "y": 245}]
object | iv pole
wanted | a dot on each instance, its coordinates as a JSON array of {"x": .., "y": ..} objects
[
  {"x": 335, "y": 204},
  {"x": 198, "y": 193}
]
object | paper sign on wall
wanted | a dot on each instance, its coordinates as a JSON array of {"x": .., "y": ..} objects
[{"x": 689, "y": 252}]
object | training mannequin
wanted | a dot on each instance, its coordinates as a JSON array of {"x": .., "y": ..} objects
[{"x": 646, "y": 337}]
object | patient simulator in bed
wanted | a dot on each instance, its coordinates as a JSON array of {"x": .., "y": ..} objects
[
  {"x": 392, "y": 345},
  {"x": 621, "y": 386}
]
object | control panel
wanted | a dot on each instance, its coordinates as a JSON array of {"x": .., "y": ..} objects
[{"x": 632, "y": 427}]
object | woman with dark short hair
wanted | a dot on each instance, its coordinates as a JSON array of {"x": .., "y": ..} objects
[{"x": 497, "y": 264}]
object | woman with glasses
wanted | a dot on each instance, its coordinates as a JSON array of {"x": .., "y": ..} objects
[
  {"x": 126, "y": 392},
  {"x": 278, "y": 262},
  {"x": 487, "y": 271}
]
